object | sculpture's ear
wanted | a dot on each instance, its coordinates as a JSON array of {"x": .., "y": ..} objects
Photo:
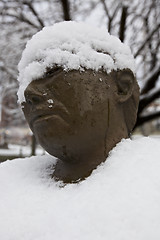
[{"x": 125, "y": 85}]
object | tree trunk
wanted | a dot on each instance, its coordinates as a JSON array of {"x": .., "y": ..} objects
[{"x": 33, "y": 146}]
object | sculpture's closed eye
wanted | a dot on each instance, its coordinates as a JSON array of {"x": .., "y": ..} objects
[{"x": 51, "y": 71}]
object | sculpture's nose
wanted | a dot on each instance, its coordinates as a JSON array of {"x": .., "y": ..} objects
[{"x": 33, "y": 97}]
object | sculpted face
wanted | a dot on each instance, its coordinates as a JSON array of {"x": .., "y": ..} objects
[
  {"x": 76, "y": 116},
  {"x": 68, "y": 110}
]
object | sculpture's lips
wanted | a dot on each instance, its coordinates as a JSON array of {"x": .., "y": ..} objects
[{"x": 38, "y": 117}]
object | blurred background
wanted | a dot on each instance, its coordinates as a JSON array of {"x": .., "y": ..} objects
[{"x": 136, "y": 23}]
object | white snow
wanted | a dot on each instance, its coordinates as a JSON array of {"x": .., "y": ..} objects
[
  {"x": 50, "y": 100},
  {"x": 51, "y": 103},
  {"x": 120, "y": 200},
  {"x": 71, "y": 45}
]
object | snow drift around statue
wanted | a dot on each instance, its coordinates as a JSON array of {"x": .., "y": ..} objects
[
  {"x": 72, "y": 46},
  {"x": 120, "y": 200}
]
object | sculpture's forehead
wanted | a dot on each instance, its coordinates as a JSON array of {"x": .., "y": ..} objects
[
  {"x": 75, "y": 85},
  {"x": 60, "y": 78}
]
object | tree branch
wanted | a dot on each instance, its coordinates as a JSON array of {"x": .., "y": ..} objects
[
  {"x": 147, "y": 100},
  {"x": 146, "y": 41},
  {"x": 150, "y": 81},
  {"x": 4, "y": 69},
  {"x": 123, "y": 23},
  {"x": 31, "y": 7},
  {"x": 143, "y": 119},
  {"x": 116, "y": 10},
  {"x": 105, "y": 8},
  {"x": 21, "y": 18},
  {"x": 66, "y": 10},
  {"x": 110, "y": 18}
]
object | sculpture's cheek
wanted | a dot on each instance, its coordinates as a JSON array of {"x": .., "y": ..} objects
[{"x": 50, "y": 126}]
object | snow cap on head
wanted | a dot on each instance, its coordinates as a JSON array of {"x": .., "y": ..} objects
[{"x": 72, "y": 46}]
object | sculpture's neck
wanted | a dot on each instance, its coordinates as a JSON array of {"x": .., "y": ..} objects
[{"x": 70, "y": 172}]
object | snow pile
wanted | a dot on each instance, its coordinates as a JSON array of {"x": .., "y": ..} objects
[
  {"x": 120, "y": 200},
  {"x": 71, "y": 45}
]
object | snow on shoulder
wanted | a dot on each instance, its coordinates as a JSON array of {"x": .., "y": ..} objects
[
  {"x": 120, "y": 200},
  {"x": 71, "y": 45}
]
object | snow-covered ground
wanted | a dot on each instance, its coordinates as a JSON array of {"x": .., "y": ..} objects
[
  {"x": 119, "y": 201},
  {"x": 17, "y": 150}
]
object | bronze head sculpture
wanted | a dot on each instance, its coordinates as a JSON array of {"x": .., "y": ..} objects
[{"x": 79, "y": 115}]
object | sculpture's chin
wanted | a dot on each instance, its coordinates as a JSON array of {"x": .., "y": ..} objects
[{"x": 59, "y": 149}]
